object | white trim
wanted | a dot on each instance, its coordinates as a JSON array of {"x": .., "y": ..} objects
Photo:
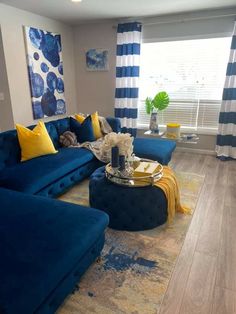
[
  {"x": 182, "y": 17},
  {"x": 207, "y": 131},
  {"x": 145, "y": 127},
  {"x": 187, "y": 37},
  {"x": 196, "y": 150}
]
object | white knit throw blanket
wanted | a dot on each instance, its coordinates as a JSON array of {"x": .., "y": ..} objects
[{"x": 102, "y": 147}]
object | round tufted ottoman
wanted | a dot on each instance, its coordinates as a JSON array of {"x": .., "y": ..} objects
[{"x": 133, "y": 209}]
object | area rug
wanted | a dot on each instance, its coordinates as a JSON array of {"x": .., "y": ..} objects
[{"x": 135, "y": 268}]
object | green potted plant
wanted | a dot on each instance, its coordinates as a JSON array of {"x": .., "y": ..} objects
[{"x": 153, "y": 105}]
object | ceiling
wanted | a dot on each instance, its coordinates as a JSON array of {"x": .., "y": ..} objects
[{"x": 88, "y": 10}]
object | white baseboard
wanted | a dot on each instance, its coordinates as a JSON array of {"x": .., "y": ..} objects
[{"x": 196, "y": 151}]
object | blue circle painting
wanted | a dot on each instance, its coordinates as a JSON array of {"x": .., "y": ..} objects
[
  {"x": 36, "y": 56},
  {"x": 60, "y": 85},
  {"x": 60, "y": 68},
  {"x": 37, "y": 85},
  {"x": 52, "y": 81},
  {"x": 44, "y": 67},
  {"x": 36, "y": 37},
  {"x": 49, "y": 104},
  {"x": 37, "y": 110},
  {"x": 58, "y": 39},
  {"x": 50, "y": 49},
  {"x": 61, "y": 106}
]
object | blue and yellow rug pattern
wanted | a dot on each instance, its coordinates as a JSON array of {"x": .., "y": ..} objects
[{"x": 135, "y": 267}]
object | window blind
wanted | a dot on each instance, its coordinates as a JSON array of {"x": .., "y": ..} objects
[{"x": 192, "y": 72}]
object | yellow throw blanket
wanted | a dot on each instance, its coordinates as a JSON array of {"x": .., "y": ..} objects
[{"x": 170, "y": 187}]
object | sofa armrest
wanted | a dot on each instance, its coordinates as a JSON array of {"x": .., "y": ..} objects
[{"x": 114, "y": 123}]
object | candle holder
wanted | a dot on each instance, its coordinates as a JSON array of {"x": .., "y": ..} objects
[
  {"x": 121, "y": 162},
  {"x": 115, "y": 157}
]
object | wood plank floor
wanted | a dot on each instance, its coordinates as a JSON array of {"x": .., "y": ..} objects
[{"x": 204, "y": 278}]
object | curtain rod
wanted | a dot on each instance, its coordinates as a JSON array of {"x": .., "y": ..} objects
[{"x": 180, "y": 20}]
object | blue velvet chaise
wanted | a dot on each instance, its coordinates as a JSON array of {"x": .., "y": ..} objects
[{"x": 46, "y": 245}]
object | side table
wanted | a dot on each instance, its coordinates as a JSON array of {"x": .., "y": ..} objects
[{"x": 184, "y": 138}]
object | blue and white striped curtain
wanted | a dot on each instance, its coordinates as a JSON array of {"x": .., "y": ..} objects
[
  {"x": 127, "y": 75},
  {"x": 226, "y": 139}
]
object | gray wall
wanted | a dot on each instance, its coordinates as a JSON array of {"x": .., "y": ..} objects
[
  {"x": 95, "y": 90},
  {"x": 6, "y": 115},
  {"x": 12, "y": 21}
]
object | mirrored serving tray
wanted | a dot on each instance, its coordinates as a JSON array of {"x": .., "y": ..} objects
[{"x": 126, "y": 177}]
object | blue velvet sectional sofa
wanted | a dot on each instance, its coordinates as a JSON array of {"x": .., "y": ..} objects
[
  {"x": 51, "y": 175},
  {"x": 46, "y": 245}
]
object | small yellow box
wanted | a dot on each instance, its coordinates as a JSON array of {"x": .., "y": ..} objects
[{"x": 146, "y": 168}]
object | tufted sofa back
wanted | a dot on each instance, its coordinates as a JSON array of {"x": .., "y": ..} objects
[
  {"x": 56, "y": 128},
  {"x": 61, "y": 126},
  {"x": 9, "y": 149},
  {"x": 9, "y": 145}
]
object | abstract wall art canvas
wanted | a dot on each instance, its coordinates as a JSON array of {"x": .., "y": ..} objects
[
  {"x": 45, "y": 69},
  {"x": 97, "y": 59}
]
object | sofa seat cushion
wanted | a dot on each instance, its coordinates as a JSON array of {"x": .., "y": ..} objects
[
  {"x": 35, "y": 174},
  {"x": 155, "y": 149},
  {"x": 42, "y": 240}
]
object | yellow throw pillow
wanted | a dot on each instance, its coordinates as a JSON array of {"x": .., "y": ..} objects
[
  {"x": 34, "y": 143},
  {"x": 96, "y": 125},
  {"x": 95, "y": 122},
  {"x": 79, "y": 118}
]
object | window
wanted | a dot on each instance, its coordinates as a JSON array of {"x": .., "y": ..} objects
[{"x": 193, "y": 74}]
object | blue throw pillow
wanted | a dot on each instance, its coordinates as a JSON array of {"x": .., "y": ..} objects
[{"x": 83, "y": 131}]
